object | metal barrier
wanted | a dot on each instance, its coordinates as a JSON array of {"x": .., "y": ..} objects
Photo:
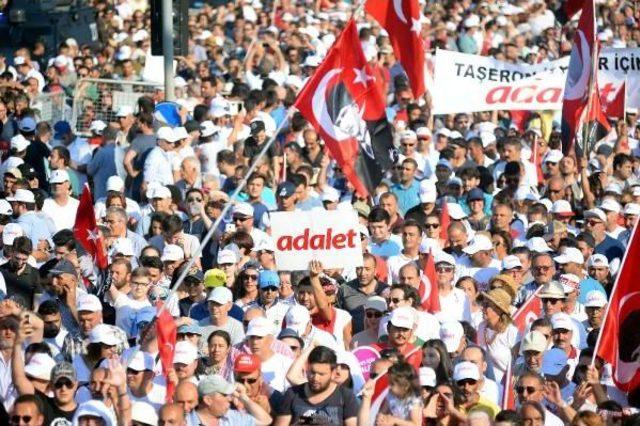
[
  {"x": 99, "y": 99},
  {"x": 52, "y": 107}
]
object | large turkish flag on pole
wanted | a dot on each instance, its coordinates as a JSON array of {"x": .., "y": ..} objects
[{"x": 85, "y": 229}]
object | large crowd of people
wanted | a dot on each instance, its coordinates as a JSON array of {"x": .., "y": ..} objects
[{"x": 505, "y": 217}]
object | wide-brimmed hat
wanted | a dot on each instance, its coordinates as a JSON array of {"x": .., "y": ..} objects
[{"x": 500, "y": 298}]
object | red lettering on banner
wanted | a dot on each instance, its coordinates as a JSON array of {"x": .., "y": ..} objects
[
  {"x": 549, "y": 95},
  {"x": 325, "y": 241},
  {"x": 515, "y": 96},
  {"x": 501, "y": 93},
  {"x": 523, "y": 95}
]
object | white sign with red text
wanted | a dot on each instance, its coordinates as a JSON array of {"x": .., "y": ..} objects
[
  {"x": 468, "y": 83},
  {"x": 331, "y": 237}
]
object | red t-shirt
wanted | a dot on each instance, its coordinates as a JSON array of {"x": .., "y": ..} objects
[
  {"x": 412, "y": 354},
  {"x": 326, "y": 325}
]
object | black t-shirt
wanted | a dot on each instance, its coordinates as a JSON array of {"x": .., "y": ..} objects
[
  {"x": 251, "y": 149},
  {"x": 334, "y": 410},
  {"x": 37, "y": 152},
  {"x": 21, "y": 288},
  {"x": 53, "y": 416}
]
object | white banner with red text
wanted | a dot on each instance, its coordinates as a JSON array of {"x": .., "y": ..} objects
[
  {"x": 331, "y": 237},
  {"x": 469, "y": 83}
]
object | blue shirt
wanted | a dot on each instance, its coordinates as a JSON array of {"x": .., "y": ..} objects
[
  {"x": 102, "y": 167},
  {"x": 34, "y": 227},
  {"x": 407, "y": 196},
  {"x": 386, "y": 249},
  {"x": 610, "y": 248}
]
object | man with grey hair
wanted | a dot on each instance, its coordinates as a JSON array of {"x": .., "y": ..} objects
[{"x": 189, "y": 175}]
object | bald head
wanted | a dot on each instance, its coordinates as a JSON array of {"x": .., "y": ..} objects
[
  {"x": 186, "y": 396},
  {"x": 171, "y": 415},
  {"x": 254, "y": 312}
]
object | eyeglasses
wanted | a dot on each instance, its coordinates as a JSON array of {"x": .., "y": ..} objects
[
  {"x": 373, "y": 314},
  {"x": 465, "y": 382},
  {"x": 529, "y": 389},
  {"x": 16, "y": 419},
  {"x": 240, "y": 219},
  {"x": 443, "y": 269},
  {"x": 550, "y": 301},
  {"x": 250, "y": 277},
  {"x": 408, "y": 144},
  {"x": 432, "y": 225},
  {"x": 194, "y": 200},
  {"x": 248, "y": 380},
  {"x": 542, "y": 268},
  {"x": 592, "y": 222},
  {"x": 395, "y": 300},
  {"x": 63, "y": 383},
  {"x": 270, "y": 288},
  {"x": 139, "y": 283}
]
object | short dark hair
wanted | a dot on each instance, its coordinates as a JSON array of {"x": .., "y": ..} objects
[
  {"x": 64, "y": 238},
  {"x": 378, "y": 214},
  {"x": 323, "y": 355},
  {"x": 172, "y": 224},
  {"x": 151, "y": 262},
  {"x": 48, "y": 307},
  {"x": 22, "y": 245},
  {"x": 410, "y": 222},
  {"x": 621, "y": 158}
]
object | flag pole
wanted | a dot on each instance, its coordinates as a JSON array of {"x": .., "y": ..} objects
[
  {"x": 613, "y": 291},
  {"x": 592, "y": 86}
]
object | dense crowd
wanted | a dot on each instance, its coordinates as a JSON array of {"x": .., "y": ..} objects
[{"x": 260, "y": 345}]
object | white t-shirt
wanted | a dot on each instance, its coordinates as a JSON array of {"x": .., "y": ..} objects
[
  {"x": 482, "y": 275},
  {"x": 498, "y": 347},
  {"x": 454, "y": 306},
  {"x": 155, "y": 397},
  {"x": 274, "y": 371},
  {"x": 394, "y": 263},
  {"x": 63, "y": 217},
  {"x": 343, "y": 318}
]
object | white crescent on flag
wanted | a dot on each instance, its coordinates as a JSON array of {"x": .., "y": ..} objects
[{"x": 397, "y": 7}]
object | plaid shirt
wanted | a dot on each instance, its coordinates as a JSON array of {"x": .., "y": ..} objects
[{"x": 75, "y": 343}]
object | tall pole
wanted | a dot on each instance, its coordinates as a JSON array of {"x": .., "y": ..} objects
[{"x": 167, "y": 48}]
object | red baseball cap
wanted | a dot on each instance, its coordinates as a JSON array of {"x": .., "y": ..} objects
[{"x": 246, "y": 363}]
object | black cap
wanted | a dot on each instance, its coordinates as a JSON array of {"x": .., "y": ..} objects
[
  {"x": 27, "y": 171},
  {"x": 63, "y": 267},
  {"x": 286, "y": 189},
  {"x": 256, "y": 127},
  {"x": 288, "y": 332},
  {"x": 476, "y": 194}
]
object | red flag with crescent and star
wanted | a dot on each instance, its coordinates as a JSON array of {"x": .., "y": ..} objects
[
  {"x": 583, "y": 122},
  {"x": 402, "y": 20},
  {"x": 619, "y": 340},
  {"x": 615, "y": 108},
  {"x": 342, "y": 100},
  {"x": 428, "y": 286},
  {"x": 167, "y": 334},
  {"x": 85, "y": 229},
  {"x": 530, "y": 310}
]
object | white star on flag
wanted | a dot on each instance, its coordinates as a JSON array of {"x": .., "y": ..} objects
[
  {"x": 362, "y": 76},
  {"x": 416, "y": 26},
  {"x": 93, "y": 235}
]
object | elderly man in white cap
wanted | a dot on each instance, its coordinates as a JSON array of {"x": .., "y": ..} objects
[
  {"x": 631, "y": 213},
  {"x": 242, "y": 216},
  {"x": 598, "y": 269},
  {"x": 274, "y": 366},
  {"x": 454, "y": 304},
  {"x": 483, "y": 264},
  {"x": 595, "y": 221},
  {"x": 115, "y": 185},
  {"x": 162, "y": 164},
  {"x": 595, "y": 304},
  {"x": 571, "y": 285}
]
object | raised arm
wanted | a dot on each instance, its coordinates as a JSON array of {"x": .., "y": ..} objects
[{"x": 322, "y": 301}]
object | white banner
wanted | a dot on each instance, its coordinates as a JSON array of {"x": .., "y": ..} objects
[
  {"x": 331, "y": 237},
  {"x": 468, "y": 83}
]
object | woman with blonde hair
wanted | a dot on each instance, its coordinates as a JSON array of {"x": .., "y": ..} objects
[{"x": 496, "y": 332}]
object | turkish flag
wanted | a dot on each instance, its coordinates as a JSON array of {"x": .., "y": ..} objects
[
  {"x": 85, "y": 229},
  {"x": 530, "y": 310},
  {"x": 615, "y": 108},
  {"x": 508, "y": 394},
  {"x": 428, "y": 287},
  {"x": 619, "y": 339},
  {"x": 445, "y": 219},
  {"x": 583, "y": 122},
  {"x": 380, "y": 391},
  {"x": 342, "y": 100},
  {"x": 402, "y": 20},
  {"x": 167, "y": 333}
]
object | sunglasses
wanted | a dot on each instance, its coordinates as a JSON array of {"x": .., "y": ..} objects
[
  {"x": 432, "y": 225},
  {"x": 529, "y": 389},
  {"x": 194, "y": 200},
  {"x": 240, "y": 219},
  {"x": 444, "y": 269},
  {"x": 132, "y": 372},
  {"x": 395, "y": 300},
  {"x": 63, "y": 383},
  {"x": 550, "y": 301},
  {"x": 270, "y": 288},
  {"x": 294, "y": 348},
  {"x": 373, "y": 314},
  {"x": 246, "y": 380},
  {"x": 466, "y": 382},
  {"x": 593, "y": 222},
  {"x": 16, "y": 419},
  {"x": 542, "y": 268},
  {"x": 251, "y": 277}
]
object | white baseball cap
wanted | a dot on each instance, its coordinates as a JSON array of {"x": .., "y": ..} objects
[
  {"x": 244, "y": 209},
  {"x": 570, "y": 282},
  {"x": 260, "y": 327},
  {"x": 40, "y": 366},
  {"x": 465, "y": 370},
  {"x": 330, "y": 194},
  {"x": 167, "y": 134},
  {"x": 142, "y": 361},
  {"x": 89, "y": 303},
  {"x": 562, "y": 208},
  {"x": 171, "y": 253},
  {"x": 10, "y": 232},
  {"x": 451, "y": 333},
  {"x": 596, "y": 213},
  {"x": 427, "y": 377},
  {"x": 185, "y": 352},
  {"x": 115, "y": 183},
  {"x": 598, "y": 260},
  {"x": 553, "y": 156},
  {"x": 59, "y": 176},
  {"x": 595, "y": 299},
  {"x": 226, "y": 256},
  {"x": 297, "y": 318},
  {"x": 570, "y": 255},
  {"x": 97, "y": 126},
  {"x": 22, "y": 196},
  {"x": 19, "y": 143},
  {"x": 161, "y": 192},
  {"x": 631, "y": 209},
  {"x": 444, "y": 257},
  {"x": 455, "y": 211},
  {"x": 609, "y": 205},
  {"x": 428, "y": 192},
  {"x": 143, "y": 412},
  {"x": 403, "y": 317},
  {"x": 124, "y": 110},
  {"x": 408, "y": 134},
  {"x": 480, "y": 242},
  {"x": 511, "y": 262},
  {"x": 207, "y": 128},
  {"x": 102, "y": 333},
  {"x": 561, "y": 320},
  {"x": 220, "y": 295},
  {"x": 5, "y": 208},
  {"x": 552, "y": 290},
  {"x": 180, "y": 133},
  {"x": 534, "y": 341},
  {"x": 538, "y": 245}
]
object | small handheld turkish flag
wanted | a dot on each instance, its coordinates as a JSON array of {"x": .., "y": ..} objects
[
  {"x": 402, "y": 20},
  {"x": 342, "y": 100},
  {"x": 619, "y": 339},
  {"x": 167, "y": 334},
  {"x": 428, "y": 287},
  {"x": 85, "y": 229}
]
